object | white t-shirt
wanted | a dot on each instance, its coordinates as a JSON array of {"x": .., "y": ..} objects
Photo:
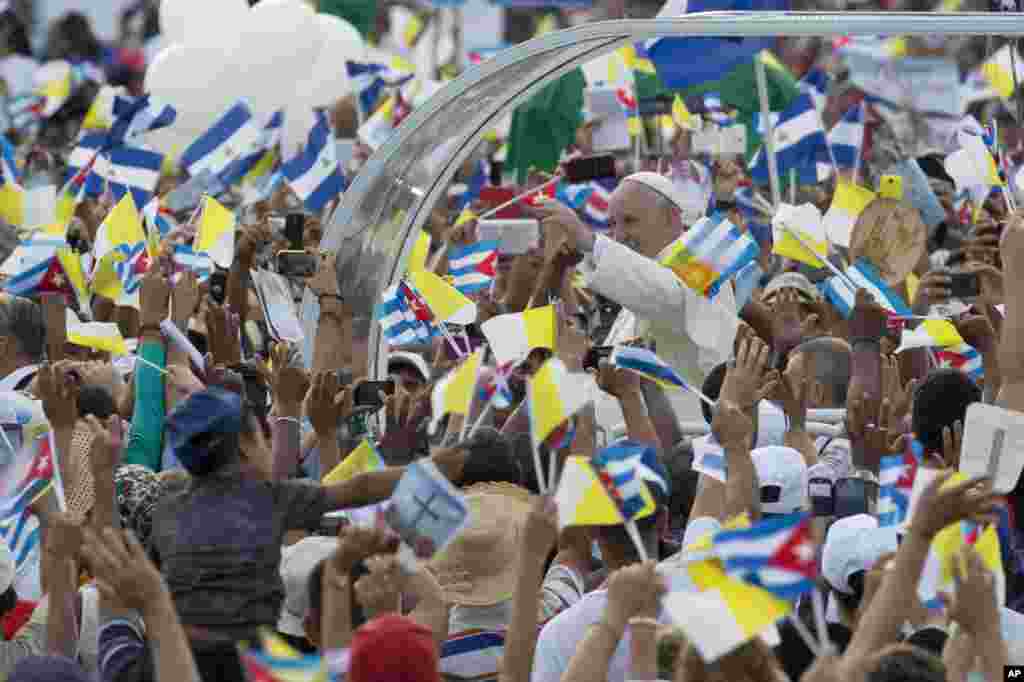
[{"x": 561, "y": 637}]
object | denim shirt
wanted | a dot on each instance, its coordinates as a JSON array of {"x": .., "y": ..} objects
[{"x": 218, "y": 541}]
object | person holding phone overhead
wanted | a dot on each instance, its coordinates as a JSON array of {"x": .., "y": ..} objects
[{"x": 647, "y": 212}]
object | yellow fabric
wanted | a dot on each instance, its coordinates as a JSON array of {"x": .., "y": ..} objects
[
  {"x": 420, "y": 251},
  {"x": 363, "y": 459}
]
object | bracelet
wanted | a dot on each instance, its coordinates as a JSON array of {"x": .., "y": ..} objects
[{"x": 643, "y": 622}]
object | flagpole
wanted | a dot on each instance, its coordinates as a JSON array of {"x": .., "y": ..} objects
[
  {"x": 824, "y": 259},
  {"x": 517, "y": 199},
  {"x": 634, "y": 535},
  {"x": 769, "y": 140},
  {"x": 805, "y": 634},
  {"x": 819, "y": 618},
  {"x": 856, "y": 162},
  {"x": 553, "y": 467},
  {"x": 538, "y": 467},
  {"x": 484, "y": 413}
]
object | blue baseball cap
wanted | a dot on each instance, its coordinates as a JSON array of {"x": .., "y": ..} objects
[{"x": 210, "y": 412}]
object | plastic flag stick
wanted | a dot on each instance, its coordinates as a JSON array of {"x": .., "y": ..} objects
[
  {"x": 634, "y": 534},
  {"x": 805, "y": 634},
  {"x": 517, "y": 199}
]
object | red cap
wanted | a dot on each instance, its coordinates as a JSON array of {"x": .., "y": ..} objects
[{"x": 393, "y": 648}]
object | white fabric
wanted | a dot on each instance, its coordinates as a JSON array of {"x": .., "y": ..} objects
[
  {"x": 11, "y": 381},
  {"x": 561, "y": 637},
  {"x": 778, "y": 465},
  {"x": 692, "y": 333},
  {"x": 89, "y": 633},
  {"x": 17, "y": 72}
]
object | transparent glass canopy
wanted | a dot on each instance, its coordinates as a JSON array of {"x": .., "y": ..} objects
[{"x": 392, "y": 196}]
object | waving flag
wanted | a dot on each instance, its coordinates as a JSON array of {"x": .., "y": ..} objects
[
  {"x": 685, "y": 62},
  {"x": 129, "y": 170},
  {"x": 848, "y": 201},
  {"x": 134, "y": 116},
  {"x": 363, "y": 459},
  {"x": 184, "y": 258},
  {"x": 398, "y": 319},
  {"x": 777, "y": 555},
  {"x": 454, "y": 393},
  {"x": 215, "y": 235},
  {"x": 648, "y": 365},
  {"x": 847, "y": 138},
  {"x": 627, "y": 101},
  {"x": 82, "y": 161},
  {"x": 370, "y": 80},
  {"x": 261, "y": 159},
  {"x": 445, "y": 302},
  {"x": 865, "y": 276},
  {"x": 595, "y": 211},
  {"x": 277, "y": 661},
  {"x": 798, "y": 233},
  {"x": 554, "y": 396},
  {"x": 12, "y": 194},
  {"x": 617, "y": 470},
  {"x": 512, "y": 336},
  {"x": 998, "y": 70},
  {"x": 472, "y": 267},
  {"x": 496, "y": 389},
  {"x": 476, "y": 184},
  {"x": 710, "y": 253},
  {"x": 121, "y": 246},
  {"x": 159, "y": 219},
  {"x": 583, "y": 500},
  {"x": 101, "y": 336},
  {"x": 473, "y": 656},
  {"x": 896, "y": 481},
  {"x": 30, "y": 265},
  {"x": 799, "y": 138},
  {"x": 233, "y": 135},
  {"x": 930, "y": 334},
  {"x": 964, "y": 358},
  {"x": 815, "y": 84},
  {"x": 314, "y": 175}
]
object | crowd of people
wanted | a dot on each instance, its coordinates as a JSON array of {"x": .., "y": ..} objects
[{"x": 212, "y": 498}]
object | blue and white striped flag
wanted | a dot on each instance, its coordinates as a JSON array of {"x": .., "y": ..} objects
[
  {"x": 799, "y": 137},
  {"x": 863, "y": 275},
  {"x": 473, "y": 656},
  {"x": 398, "y": 321},
  {"x": 370, "y": 80},
  {"x": 847, "y": 138},
  {"x": 648, "y": 365},
  {"x": 270, "y": 138},
  {"x": 129, "y": 169},
  {"x": 158, "y": 218},
  {"x": 777, "y": 554},
  {"x": 233, "y": 135},
  {"x": 893, "y": 500},
  {"x": 86, "y": 152},
  {"x": 8, "y": 164},
  {"x": 314, "y": 175},
  {"x": 134, "y": 116},
  {"x": 815, "y": 84},
  {"x": 472, "y": 267},
  {"x": 184, "y": 258}
]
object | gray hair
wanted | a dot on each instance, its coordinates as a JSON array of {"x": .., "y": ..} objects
[
  {"x": 22, "y": 320},
  {"x": 831, "y": 364}
]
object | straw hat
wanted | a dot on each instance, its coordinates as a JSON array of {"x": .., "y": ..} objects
[{"x": 485, "y": 552}]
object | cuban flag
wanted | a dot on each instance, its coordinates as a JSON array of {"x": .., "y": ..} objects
[
  {"x": 621, "y": 470},
  {"x": 84, "y": 157},
  {"x": 402, "y": 319},
  {"x": 847, "y": 138},
  {"x": 497, "y": 390},
  {"x": 270, "y": 137},
  {"x": 862, "y": 275},
  {"x": 895, "y": 483},
  {"x": 129, "y": 169},
  {"x": 777, "y": 555},
  {"x": 472, "y": 267},
  {"x": 799, "y": 137},
  {"x": 27, "y": 267},
  {"x": 233, "y": 135},
  {"x": 963, "y": 357},
  {"x": 18, "y": 526},
  {"x": 314, "y": 175},
  {"x": 137, "y": 115},
  {"x": 595, "y": 211}
]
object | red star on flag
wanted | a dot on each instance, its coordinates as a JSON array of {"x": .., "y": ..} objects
[
  {"x": 906, "y": 479},
  {"x": 626, "y": 99},
  {"x": 416, "y": 303},
  {"x": 488, "y": 265},
  {"x": 55, "y": 281}
]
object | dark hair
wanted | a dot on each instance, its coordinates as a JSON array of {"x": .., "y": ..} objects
[
  {"x": 72, "y": 38},
  {"x": 620, "y": 537},
  {"x": 941, "y": 400},
  {"x": 793, "y": 654},
  {"x": 684, "y": 481},
  {"x": 905, "y": 663},
  {"x": 851, "y": 602},
  {"x": 218, "y": 660},
  {"x": 8, "y": 600},
  {"x": 490, "y": 459},
  {"x": 523, "y": 453},
  {"x": 831, "y": 366},
  {"x": 15, "y": 34},
  {"x": 712, "y": 387},
  {"x": 96, "y": 401},
  {"x": 931, "y": 639},
  {"x": 22, "y": 319}
]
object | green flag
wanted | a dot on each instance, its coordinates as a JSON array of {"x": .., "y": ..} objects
[{"x": 546, "y": 125}]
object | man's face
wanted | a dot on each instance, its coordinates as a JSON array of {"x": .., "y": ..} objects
[
  {"x": 638, "y": 220},
  {"x": 408, "y": 378}
]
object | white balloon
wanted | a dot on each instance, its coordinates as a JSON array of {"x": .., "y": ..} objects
[
  {"x": 196, "y": 81},
  {"x": 328, "y": 79},
  {"x": 279, "y": 41},
  {"x": 202, "y": 22},
  {"x": 172, "y": 140},
  {"x": 299, "y": 119}
]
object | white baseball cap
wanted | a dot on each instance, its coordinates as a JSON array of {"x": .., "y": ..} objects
[
  {"x": 297, "y": 564},
  {"x": 414, "y": 360},
  {"x": 784, "y": 467},
  {"x": 854, "y": 544},
  {"x": 7, "y": 567},
  {"x": 688, "y": 195}
]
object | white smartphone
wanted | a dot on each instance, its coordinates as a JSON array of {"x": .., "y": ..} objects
[{"x": 515, "y": 237}]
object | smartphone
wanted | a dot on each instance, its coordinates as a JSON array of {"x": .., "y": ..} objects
[
  {"x": 820, "y": 491},
  {"x": 294, "y": 227},
  {"x": 514, "y": 237},
  {"x": 368, "y": 393},
  {"x": 587, "y": 168},
  {"x": 219, "y": 286},
  {"x": 850, "y": 496},
  {"x": 592, "y": 360},
  {"x": 297, "y": 264},
  {"x": 964, "y": 285}
]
